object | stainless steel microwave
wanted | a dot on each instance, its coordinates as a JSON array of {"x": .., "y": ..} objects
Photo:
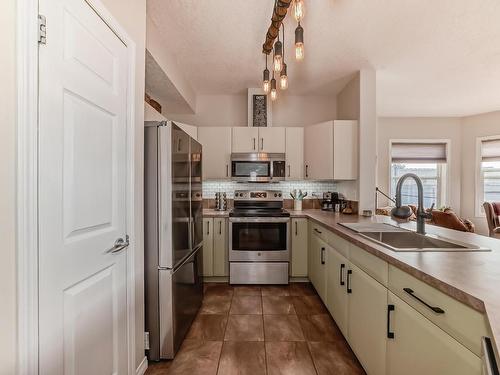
[{"x": 257, "y": 167}]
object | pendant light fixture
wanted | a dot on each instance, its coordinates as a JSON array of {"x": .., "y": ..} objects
[
  {"x": 298, "y": 10},
  {"x": 278, "y": 55},
  {"x": 266, "y": 84},
  {"x": 274, "y": 91},
  {"x": 299, "y": 43},
  {"x": 283, "y": 74}
]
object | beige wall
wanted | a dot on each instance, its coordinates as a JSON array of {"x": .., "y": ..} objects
[
  {"x": 7, "y": 189},
  {"x": 131, "y": 14},
  {"x": 473, "y": 127},
  {"x": 231, "y": 110},
  {"x": 348, "y": 100},
  {"x": 420, "y": 128}
]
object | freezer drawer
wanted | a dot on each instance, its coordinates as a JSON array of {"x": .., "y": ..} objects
[{"x": 181, "y": 294}]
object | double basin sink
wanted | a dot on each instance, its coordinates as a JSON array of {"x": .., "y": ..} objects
[{"x": 399, "y": 239}]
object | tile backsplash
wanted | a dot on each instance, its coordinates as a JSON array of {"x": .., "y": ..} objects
[{"x": 316, "y": 187}]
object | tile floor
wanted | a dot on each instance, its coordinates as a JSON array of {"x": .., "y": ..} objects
[{"x": 251, "y": 330}]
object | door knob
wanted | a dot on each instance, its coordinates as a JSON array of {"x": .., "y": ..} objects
[{"x": 119, "y": 245}]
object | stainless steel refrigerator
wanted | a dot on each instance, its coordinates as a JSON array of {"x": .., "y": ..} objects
[{"x": 173, "y": 235}]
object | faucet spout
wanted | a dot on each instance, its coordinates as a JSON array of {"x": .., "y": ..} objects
[{"x": 404, "y": 212}]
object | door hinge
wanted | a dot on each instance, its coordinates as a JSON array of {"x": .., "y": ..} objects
[
  {"x": 42, "y": 29},
  {"x": 146, "y": 341}
]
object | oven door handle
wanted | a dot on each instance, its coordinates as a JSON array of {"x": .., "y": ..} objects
[{"x": 259, "y": 219}]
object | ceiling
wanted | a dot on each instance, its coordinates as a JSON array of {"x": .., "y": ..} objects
[{"x": 433, "y": 57}]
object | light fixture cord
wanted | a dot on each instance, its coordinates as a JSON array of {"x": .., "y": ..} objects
[{"x": 283, "y": 52}]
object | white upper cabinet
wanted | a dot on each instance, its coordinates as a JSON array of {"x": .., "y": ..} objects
[
  {"x": 245, "y": 139},
  {"x": 318, "y": 151},
  {"x": 272, "y": 140},
  {"x": 216, "y": 142},
  {"x": 331, "y": 150},
  {"x": 345, "y": 150},
  {"x": 294, "y": 150},
  {"x": 248, "y": 139}
]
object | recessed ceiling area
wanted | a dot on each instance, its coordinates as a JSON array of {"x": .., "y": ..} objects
[{"x": 433, "y": 58}]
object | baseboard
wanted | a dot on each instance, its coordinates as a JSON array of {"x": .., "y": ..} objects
[
  {"x": 216, "y": 279},
  {"x": 141, "y": 370},
  {"x": 299, "y": 280}
]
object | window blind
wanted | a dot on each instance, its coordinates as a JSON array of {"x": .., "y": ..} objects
[
  {"x": 402, "y": 152},
  {"x": 490, "y": 150}
]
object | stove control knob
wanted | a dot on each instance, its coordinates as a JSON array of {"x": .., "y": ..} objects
[
  {"x": 275, "y": 195},
  {"x": 279, "y": 194}
]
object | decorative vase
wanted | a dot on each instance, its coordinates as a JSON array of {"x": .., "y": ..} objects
[{"x": 297, "y": 204}]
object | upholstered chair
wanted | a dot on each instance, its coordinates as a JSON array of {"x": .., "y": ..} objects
[{"x": 492, "y": 211}]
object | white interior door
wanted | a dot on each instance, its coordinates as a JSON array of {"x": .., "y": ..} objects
[{"x": 82, "y": 193}]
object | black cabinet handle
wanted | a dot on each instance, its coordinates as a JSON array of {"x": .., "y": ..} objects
[
  {"x": 254, "y": 143},
  {"x": 342, "y": 266},
  {"x": 307, "y": 167},
  {"x": 227, "y": 171},
  {"x": 262, "y": 144},
  {"x": 296, "y": 229},
  {"x": 322, "y": 255},
  {"x": 349, "y": 273},
  {"x": 390, "y": 308},
  {"x": 208, "y": 228},
  {"x": 490, "y": 361},
  {"x": 436, "y": 309},
  {"x": 220, "y": 227},
  {"x": 288, "y": 170},
  {"x": 317, "y": 231}
]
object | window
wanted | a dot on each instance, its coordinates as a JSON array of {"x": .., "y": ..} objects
[
  {"x": 489, "y": 181},
  {"x": 426, "y": 160}
]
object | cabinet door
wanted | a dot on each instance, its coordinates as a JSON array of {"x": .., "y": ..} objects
[
  {"x": 367, "y": 322},
  {"x": 216, "y": 143},
  {"x": 299, "y": 247},
  {"x": 311, "y": 263},
  {"x": 318, "y": 151},
  {"x": 320, "y": 268},
  {"x": 421, "y": 347},
  {"x": 336, "y": 299},
  {"x": 245, "y": 139},
  {"x": 294, "y": 151},
  {"x": 345, "y": 150},
  {"x": 208, "y": 247},
  {"x": 221, "y": 262},
  {"x": 272, "y": 140}
]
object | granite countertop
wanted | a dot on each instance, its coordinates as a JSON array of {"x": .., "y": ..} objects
[{"x": 472, "y": 278}]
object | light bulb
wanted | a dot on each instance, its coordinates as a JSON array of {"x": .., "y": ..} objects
[
  {"x": 266, "y": 86},
  {"x": 299, "y": 10},
  {"x": 265, "y": 81},
  {"x": 299, "y": 51},
  {"x": 283, "y": 78},
  {"x": 278, "y": 63},
  {"x": 299, "y": 43},
  {"x": 278, "y": 56},
  {"x": 274, "y": 92}
]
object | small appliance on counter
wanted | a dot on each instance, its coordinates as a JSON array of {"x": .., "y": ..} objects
[
  {"x": 333, "y": 201},
  {"x": 221, "y": 201}
]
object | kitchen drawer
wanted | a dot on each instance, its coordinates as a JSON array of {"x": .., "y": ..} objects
[
  {"x": 372, "y": 265},
  {"x": 320, "y": 232},
  {"x": 339, "y": 244},
  {"x": 460, "y": 321}
]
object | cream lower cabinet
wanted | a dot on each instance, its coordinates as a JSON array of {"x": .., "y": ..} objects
[
  {"x": 299, "y": 254},
  {"x": 367, "y": 323},
  {"x": 336, "y": 299},
  {"x": 421, "y": 347},
  {"x": 208, "y": 247},
  {"x": 220, "y": 246},
  {"x": 317, "y": 267},
  {"x": 215, "y": 247}
]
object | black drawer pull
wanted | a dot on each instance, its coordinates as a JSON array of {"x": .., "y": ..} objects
[
  {"x": 349, "y": 273},
  {"x": 317, "y": 231},
  {"x": 322, "y": 255},
  {"x": 436, "y": 309},
  {"x": 342, "y": 266},
  {"x": 390, "y": 335}
]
